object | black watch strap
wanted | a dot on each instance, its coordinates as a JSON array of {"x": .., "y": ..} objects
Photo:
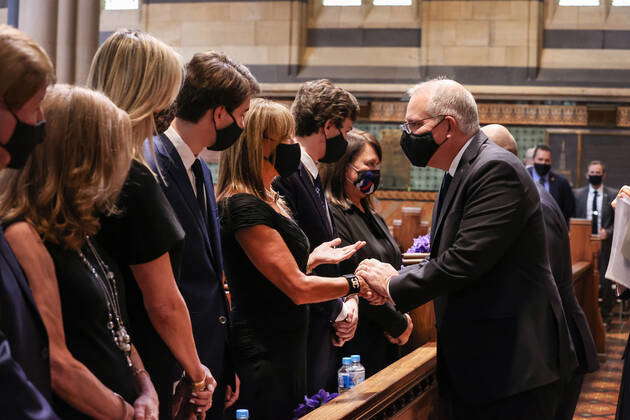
[{"x": 354, "y": 286}]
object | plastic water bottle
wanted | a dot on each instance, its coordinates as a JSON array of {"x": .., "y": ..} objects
[
  {"x": 242, "y": 414},
  {"x": 357, "y": 369},
  {"x": 344, "y": 379}
]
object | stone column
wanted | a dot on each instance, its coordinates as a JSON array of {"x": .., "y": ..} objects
[
  {"x": 38, "y": 18},
  {"x": 86, "y": 41},
  {"x": 66, "y": 40}
]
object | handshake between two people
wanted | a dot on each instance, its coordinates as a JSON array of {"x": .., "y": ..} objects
[{"x": 372, "y": 274}]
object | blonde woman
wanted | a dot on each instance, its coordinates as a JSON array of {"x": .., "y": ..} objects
[
  {"x": 142, "y": 75},
  {"x": 268, "y": 282},
  {"x": 25, "y": 73},
  {"x": 51, "y": 208}
]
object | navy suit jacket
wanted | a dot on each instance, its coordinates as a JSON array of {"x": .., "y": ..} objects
[
  {"x": 200, "y": 280},
  {"x": 20, "y": 321},
  {"x": 299, "y": 193},
  {"x": 501, "y": 329},
  {"x": 20, "y": 399},
  {"x": 559, "y": 250},
  {"x": 561, "y": 191}
]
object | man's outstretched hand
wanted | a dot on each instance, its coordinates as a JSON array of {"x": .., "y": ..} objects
[{"x": 376, "y": 274}]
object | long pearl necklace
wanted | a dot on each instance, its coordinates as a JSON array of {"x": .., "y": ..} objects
[{"x": 107, "y": 282}]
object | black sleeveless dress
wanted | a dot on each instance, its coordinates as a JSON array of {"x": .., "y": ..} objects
[{"x": 269, "y": 330}]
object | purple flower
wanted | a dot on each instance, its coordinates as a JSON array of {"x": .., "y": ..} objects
[
  {"x": 310, "y": 404},
  {"x": 421, "y": 244}
]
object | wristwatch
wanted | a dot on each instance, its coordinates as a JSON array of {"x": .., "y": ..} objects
[{"x": 354, "y": 286}]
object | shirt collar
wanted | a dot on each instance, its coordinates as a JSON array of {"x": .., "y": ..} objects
[
  {"x": 188, "y": 158},
  {"x": 599, "y": 190},
  {"x": 458, "y": 158},
  {"x": 309, "y": 163}
]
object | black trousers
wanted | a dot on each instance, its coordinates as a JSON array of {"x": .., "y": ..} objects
[
  {"x": 538, "y": 403},
  {"x": 569, "y": 397}
]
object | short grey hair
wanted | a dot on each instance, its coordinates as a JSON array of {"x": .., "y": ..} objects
[{"x": 447, "y": 97}]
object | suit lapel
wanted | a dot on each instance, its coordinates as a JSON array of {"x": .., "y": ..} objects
[
  {"x": 305, "y": 177},
  {"x": 172, "y": 163},
  {"x": 469, "y": 154},
  {"x": 213, "y": 217}
]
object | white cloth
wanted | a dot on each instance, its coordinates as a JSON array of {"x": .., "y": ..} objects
[
  {"x": 618, "y": 265},
  {"x": 188, "y": 157},
  {"x": 589, "y": 204}
]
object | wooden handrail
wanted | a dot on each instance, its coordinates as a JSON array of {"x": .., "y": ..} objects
[
  {"x": 580, "y": 268},
  {"x": 388, "y": 392}
]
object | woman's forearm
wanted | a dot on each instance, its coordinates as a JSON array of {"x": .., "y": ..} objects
[
  {"x": 168, "y": 313},
  {"x": 141, "y": 376}
]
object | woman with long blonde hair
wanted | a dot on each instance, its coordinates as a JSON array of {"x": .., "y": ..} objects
[
  {"x": 266, "y": 262},
  {"x": 52, "y": 208},
  {"x": 142, "y": 75}
]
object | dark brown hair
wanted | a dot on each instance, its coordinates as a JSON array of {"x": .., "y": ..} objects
[
  {"x": 213, "y": 79},
  {"x": 597, "y": 162},
  {"x": 334, "y": 174},
  {"x": 319, "y": 101}
]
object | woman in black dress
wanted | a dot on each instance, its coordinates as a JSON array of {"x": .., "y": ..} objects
[
  {"x": 54, "y": 201},
  {"x": 142, "y": 75},
  {"x": 266, "y": 261},
  {"x": 349, "y": 183}
]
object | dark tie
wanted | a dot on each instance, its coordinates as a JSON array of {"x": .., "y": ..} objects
[
  {"x": 541, "y": 181},
  {"x": 319, "y": 191},
  {"x": 446, "y": 182},
  {"x": 201, "y": 188},
  {"x": 594, "y": 214}
]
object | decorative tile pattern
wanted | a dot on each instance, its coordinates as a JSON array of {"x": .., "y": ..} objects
[{"x": 600, "y": 391}]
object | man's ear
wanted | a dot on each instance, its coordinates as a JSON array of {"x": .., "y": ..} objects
[{"x": 329, "y": 125}]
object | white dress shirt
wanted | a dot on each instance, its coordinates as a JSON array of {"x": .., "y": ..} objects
[
  {"x": 589, "y": 204},
  {"x": 187, "y": 156}
]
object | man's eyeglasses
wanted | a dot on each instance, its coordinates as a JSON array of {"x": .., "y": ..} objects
[{"x": 411, "y": 126}]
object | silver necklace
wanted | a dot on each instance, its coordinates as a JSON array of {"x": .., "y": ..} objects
[{"x": 107, "y": 282}]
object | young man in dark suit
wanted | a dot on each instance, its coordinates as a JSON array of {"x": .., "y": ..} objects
[
  {"x": 209, "y": 114},
  {"x": 559, "y": 252},
  {"x": 504, "y": 349},
  {"x": 554, "y": 183},
  {"x": 594, "y": 202},
  {"x": 323, "y": 113}
]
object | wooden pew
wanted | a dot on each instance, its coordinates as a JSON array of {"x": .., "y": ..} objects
[
  {"x": 584, "y": 257},
  {"x": 423, "y": 317},
  {"x": 405, "y": 390}
]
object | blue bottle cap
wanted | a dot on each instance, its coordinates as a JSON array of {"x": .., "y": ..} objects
[
  {"x": 242, "y": 413},
  {"x": 346, "y": 361},
  {"x": 355, "y": 358}
]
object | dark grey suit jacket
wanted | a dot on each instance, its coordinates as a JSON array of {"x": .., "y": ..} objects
[
  {"x": 608, "y": 214},
  {"x": 501, "y": 328},
  {"x": 559, "y": 250}
]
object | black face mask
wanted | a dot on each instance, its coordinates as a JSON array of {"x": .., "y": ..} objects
[
  {"x": 287, "y": 158},
  {"x": 23, "y": 140},
  {"x": 227, "y": 136},
  {"x": 595, "y": 180},
  {"x": 163, "y": 119},
  {"x": 542, "y": 169},
  {"x": 335, "y": 148},
  {"x": 419, "y": 148}
]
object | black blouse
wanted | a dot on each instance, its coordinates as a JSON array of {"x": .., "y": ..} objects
[
  {"x": 354, "y": 225},
  {"x": 85, "y": 318},
  {"x": 255, "y": 299},
  {"x": 145, "y": 228}
]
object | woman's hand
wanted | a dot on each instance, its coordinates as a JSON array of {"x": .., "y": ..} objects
[
  {"x": 623, "y": 192},
  {"x": 145, "y": 407},
  {"x": 328, "y": 253},
  {"x": 402, "y": 339}
]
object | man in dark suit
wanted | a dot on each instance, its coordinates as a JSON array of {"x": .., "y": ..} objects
[
  {"x": 209, "y": 113},
  {"x": 559, "y": 251},
  {"x": 503, "y": 344},
  {"x": 554, "y": 183},
  {"x": 324, "y": 113},
  {"x": 594, "y": 202}
]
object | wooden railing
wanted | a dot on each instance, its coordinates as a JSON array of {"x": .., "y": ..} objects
[{"x": 405, "y": 390}]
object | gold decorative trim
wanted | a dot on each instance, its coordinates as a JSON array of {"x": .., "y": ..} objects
[
  {"x": 532, "y": 114},
  {"x": 497, "y": 113},
  {"x": 406, "y": 195},
  {"x": 623, "y": 116}
]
